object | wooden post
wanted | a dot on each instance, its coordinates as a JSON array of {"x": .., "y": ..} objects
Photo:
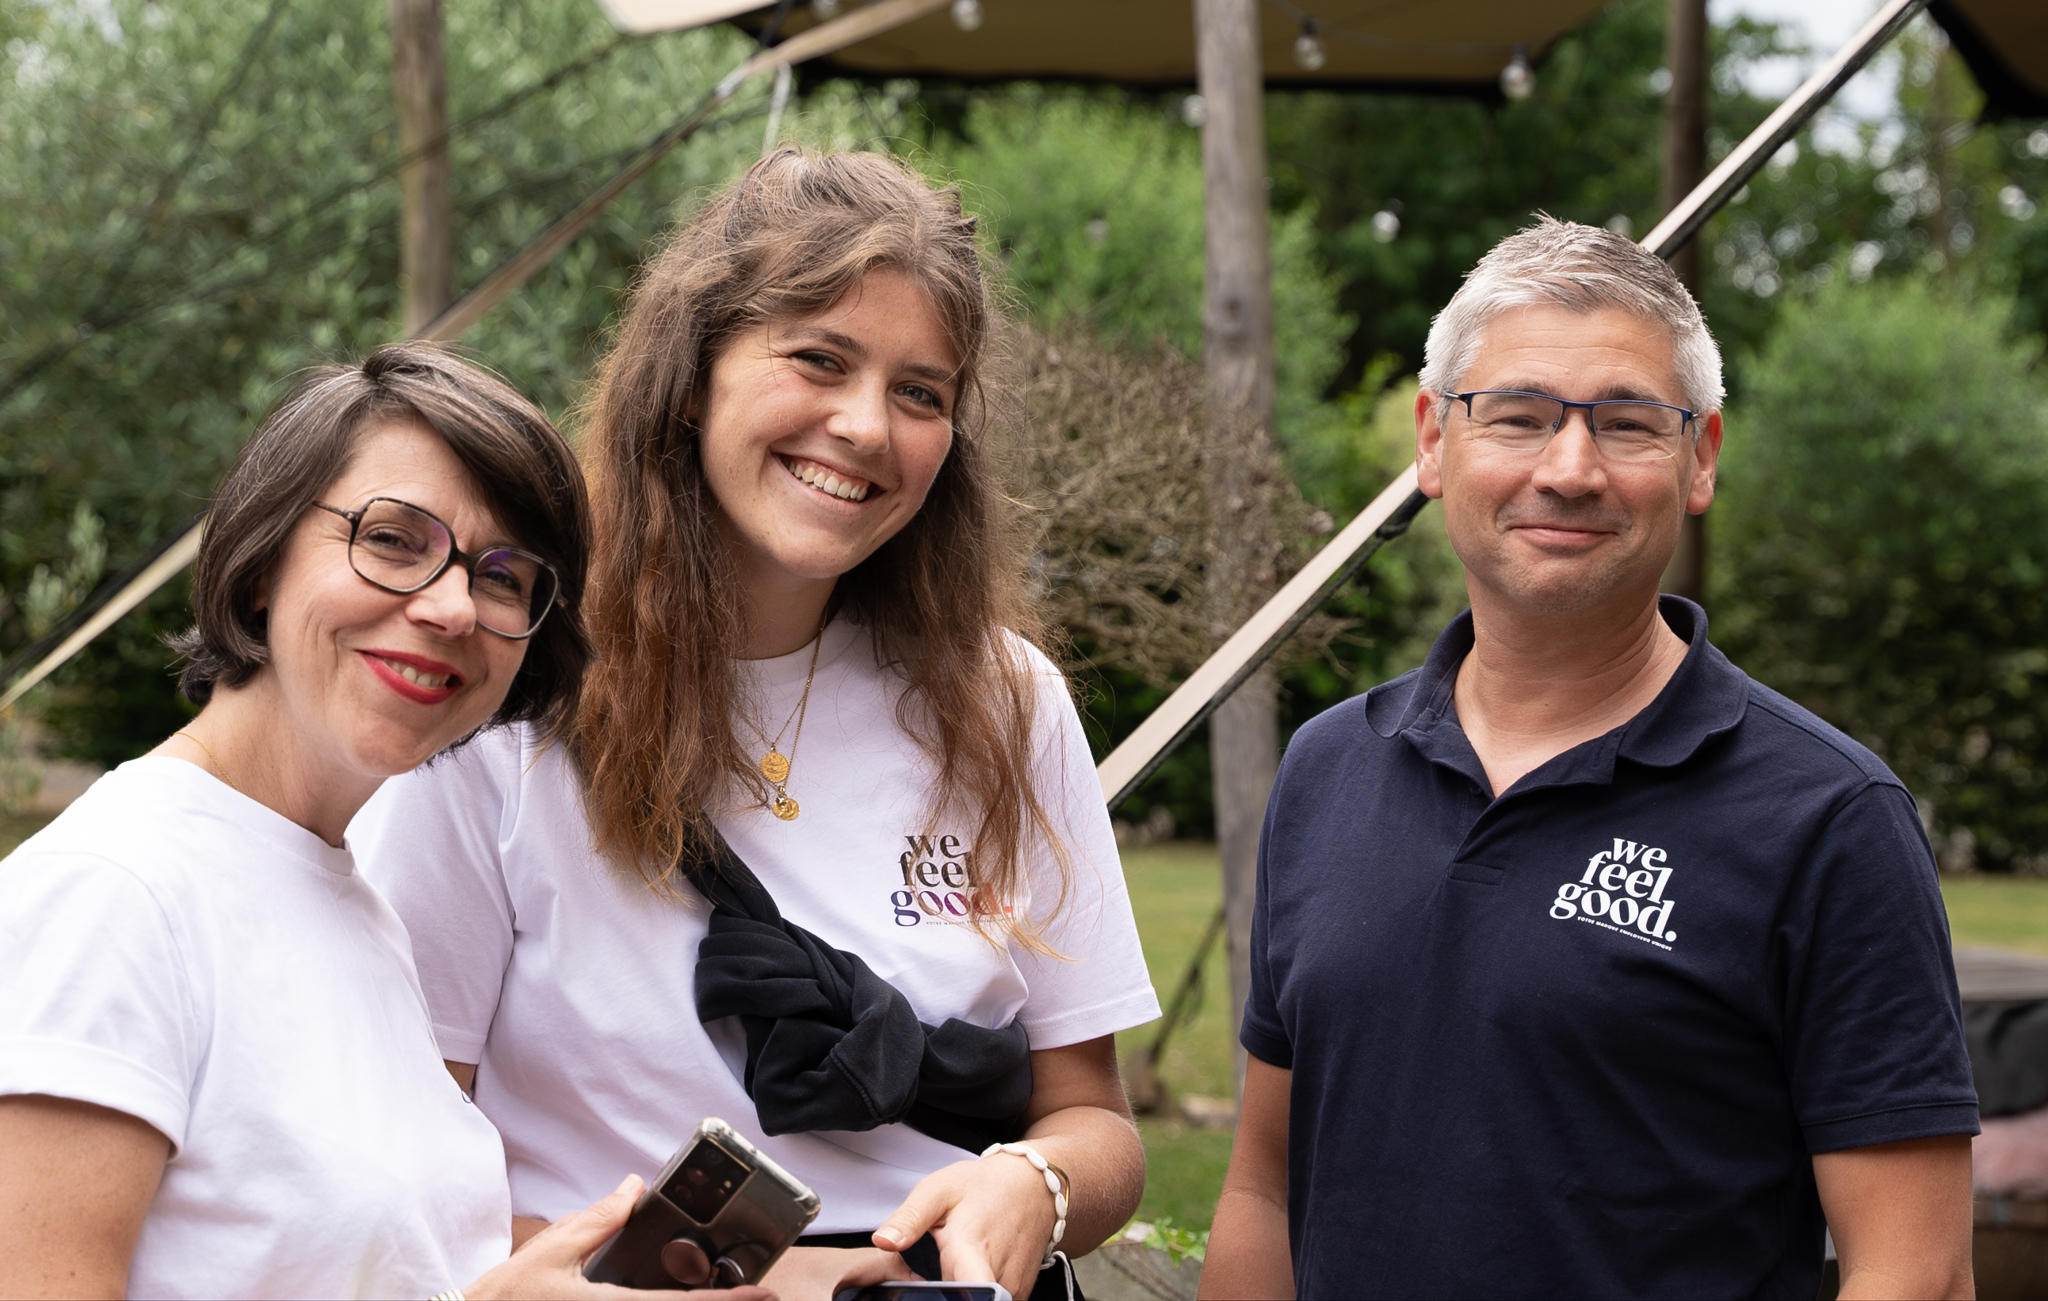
[
  {"x": 1237, "y": 353},
  {"x": 1684, "y": 166},
  {"x": 419, "y": 78}
]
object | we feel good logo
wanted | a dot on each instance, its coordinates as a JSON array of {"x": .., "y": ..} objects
[
  {"x": 1623, "y": 889},
  {"x": 939, "y": 883}
]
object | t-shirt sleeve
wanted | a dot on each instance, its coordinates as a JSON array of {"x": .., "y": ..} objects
[
  {"x": 1262, "y": 1032},
  {"x": 431, "y": 842},
  {"x": 1099, "y": 985},
  {"x": 1873, "y": 1026},
  {"x": 96, "y": 1000}
]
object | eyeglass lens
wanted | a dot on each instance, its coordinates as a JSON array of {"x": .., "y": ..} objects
[
  {"x": 1625, "y": 431},
  {"x": 403, "y": 548}
]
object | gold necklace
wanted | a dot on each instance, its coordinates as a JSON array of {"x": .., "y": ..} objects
[
  {"x": 218, "y": 767},
  {"x": 774, "y": 765}
]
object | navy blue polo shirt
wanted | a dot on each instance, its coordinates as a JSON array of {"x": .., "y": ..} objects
[{"x": 1585, "y": 1038}]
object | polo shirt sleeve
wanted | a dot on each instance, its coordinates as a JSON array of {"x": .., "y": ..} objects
[
  {"x": 1262, "y": 1032},
  {"x": 1873, "y": 1022}
]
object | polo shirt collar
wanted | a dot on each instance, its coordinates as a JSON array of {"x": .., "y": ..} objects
[{"x": 1705, "y": 697}]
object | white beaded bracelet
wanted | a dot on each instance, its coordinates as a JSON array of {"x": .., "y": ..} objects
[
  {"x": 452, "y": 1294},
  {"x": 1052, "y": 1184}
]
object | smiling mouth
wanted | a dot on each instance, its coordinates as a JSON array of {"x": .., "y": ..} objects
[
  {"x": 825, "y": 479},
  {"x": 420, "y": 677}
]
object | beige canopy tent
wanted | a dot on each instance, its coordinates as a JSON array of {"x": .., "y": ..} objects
[
  {"x": 1454, "y": 45},
  {"x": 2005, "y": 42}
]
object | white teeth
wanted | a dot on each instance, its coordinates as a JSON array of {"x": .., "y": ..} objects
[
  {"x": 828, "y": 481},
  {"x": 433, "y": 681}
]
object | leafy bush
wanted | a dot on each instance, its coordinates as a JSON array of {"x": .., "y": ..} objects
[
  {"x": 1096, "y": 203},
  {"x": 1881, "y": 543}
]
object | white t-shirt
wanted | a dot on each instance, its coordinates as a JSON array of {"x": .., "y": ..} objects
[
  {"x": 175, "y": 951},
  {"x": 570, "y": 982}
]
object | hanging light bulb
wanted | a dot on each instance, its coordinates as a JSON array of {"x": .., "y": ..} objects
[
  {"x": 967, "y": 14},
  {"x": 1308, "y": 47},
  {"x": 1518, "y": 80},
  {"x": 1194, "y": 110},
  {"x": 824, "y": 9}
]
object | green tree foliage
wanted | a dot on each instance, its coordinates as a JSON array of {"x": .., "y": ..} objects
[
  {"x": 1882, "y": 547},
  {"x": 1095, "y": 200},
  {"x": 198, "y": 200}
]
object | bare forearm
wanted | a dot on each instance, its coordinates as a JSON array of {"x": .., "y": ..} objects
[
  {"x": 1103, "y": 1157},
  {"x": 1900, "y": 1213},
  {"x": 1248, "y": 1252},
  {"x": 1876, "y": 1283},
  {"x": 76, "y": 1183}
]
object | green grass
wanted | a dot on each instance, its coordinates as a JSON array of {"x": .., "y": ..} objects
[
  {"x": 1174, "y": 891},
  {"x": 2003, "y": 912}
]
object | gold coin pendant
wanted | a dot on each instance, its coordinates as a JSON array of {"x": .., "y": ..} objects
[
  {"x": 784, "y": 808},
  {"x": 774, "y": 767}
]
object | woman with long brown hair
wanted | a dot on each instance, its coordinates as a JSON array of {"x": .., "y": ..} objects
[{"x": 822, "y": 851}]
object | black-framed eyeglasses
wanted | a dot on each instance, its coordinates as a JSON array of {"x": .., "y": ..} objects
[
  {"x": 1623, "y": 429},
  {"x": 396, "y": 546}
]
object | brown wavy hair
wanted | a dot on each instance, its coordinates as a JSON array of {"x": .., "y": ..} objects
[{"x": 655, "y": 735}]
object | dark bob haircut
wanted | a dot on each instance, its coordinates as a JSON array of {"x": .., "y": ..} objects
[{"x": 524, "y": 472}]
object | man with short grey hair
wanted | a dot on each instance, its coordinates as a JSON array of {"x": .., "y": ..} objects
[{"x": 1583, "y": 964}]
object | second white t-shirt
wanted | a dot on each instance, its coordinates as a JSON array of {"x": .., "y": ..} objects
[{"x": 570, "y": 982}]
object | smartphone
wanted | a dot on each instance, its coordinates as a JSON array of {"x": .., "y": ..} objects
[
  {"x": 720, "y": 1214},
  {"x": 924, "y": 1290}
]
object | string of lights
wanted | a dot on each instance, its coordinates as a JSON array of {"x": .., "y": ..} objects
[{"x": 1517, "y": 78}]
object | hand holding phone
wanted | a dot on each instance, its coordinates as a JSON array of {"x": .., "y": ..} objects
[
  {"x": 719, "y": 1215},
  {"x": 548, "y": 1265}
]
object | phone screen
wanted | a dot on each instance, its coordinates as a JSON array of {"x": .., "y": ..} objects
[{"x": 928, "y": 1292}]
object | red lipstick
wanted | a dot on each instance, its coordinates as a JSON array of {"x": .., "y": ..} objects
[{"x": 416, "y": 692}]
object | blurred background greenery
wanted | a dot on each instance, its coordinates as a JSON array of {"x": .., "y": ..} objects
[{"x": 195, "y": 201}]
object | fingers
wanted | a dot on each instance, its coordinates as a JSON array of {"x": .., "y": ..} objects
[
  {"x": 871, "y": 1266},
  {"x": 573, "y": 1237},
  {"x": 921, "y": 1211},
  {"x": 968, "y": 1261}
]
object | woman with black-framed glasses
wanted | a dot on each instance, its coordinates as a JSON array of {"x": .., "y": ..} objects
[
  {"x": 217, "y": 1076},
  {"x": 396, "y": 546}
]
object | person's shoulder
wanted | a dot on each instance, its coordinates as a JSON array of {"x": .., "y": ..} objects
[
  {"x": 115, "y": 849},
  {"x": 1028, "y": 656},
  {"x": 497, "y": 755},
  {"x": 136, "y": 819},
  {"x": 1780, "y": 732}
]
